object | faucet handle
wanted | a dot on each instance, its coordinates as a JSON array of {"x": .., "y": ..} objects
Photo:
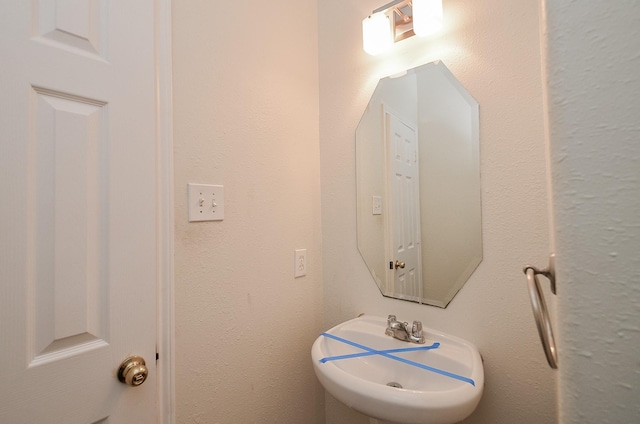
[
  {"x": 389, "y": 330},
  {"x": 416, "y": 329},
  {"x": 416, "y": 332}
]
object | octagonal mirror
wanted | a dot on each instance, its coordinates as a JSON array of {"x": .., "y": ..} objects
[{"x": 418, "y": 185}]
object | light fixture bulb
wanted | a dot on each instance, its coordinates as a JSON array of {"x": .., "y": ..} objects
[
  {"x": 376, "y": 33},
  {"x": 427, "y": 16}
]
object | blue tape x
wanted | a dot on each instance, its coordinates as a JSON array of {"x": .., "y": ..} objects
[{"x": 388, "y": 354}]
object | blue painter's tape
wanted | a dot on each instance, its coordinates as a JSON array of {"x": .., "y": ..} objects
[
  {"x": 386, "y": 354},
  {"x": 378, "y": 352}
]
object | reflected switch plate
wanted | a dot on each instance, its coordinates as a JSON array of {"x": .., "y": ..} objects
[{"x": 376, "y": 205}]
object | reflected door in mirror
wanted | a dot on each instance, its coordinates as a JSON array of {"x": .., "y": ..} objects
[{"x": 402, "y": 140}]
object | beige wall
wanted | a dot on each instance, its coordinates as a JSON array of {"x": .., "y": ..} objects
[
  {"x": 246, "y": 116},
  {"x": 493, "y": 47}
]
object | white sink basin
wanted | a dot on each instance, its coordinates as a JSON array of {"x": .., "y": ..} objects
[{"x": 441, "y": 381}]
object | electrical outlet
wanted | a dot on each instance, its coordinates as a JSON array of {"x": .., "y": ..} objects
[{"x": 300, "y": 263}]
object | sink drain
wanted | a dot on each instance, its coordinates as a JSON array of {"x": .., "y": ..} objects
[{"x": 394, "y": 384}]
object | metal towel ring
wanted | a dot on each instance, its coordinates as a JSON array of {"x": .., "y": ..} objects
[{"x": 539, "y": 307}]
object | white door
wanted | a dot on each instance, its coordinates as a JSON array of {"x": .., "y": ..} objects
[
  {"x": 404, "y": 222},
  {"x": 77, "y": 210}
]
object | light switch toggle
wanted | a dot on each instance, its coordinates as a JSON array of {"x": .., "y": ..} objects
[{"x": 206, "y": 202}]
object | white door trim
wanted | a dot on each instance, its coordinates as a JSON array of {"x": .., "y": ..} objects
[{"x": 165, "y": 293}]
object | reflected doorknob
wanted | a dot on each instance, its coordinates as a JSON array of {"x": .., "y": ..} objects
[
  {"x": 133, "y": 371},
  {"x": 399, "y": 264}
]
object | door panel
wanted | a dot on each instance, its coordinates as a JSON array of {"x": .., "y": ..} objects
[
  {"x": 78, "y": 213},
  {"x": 68, "y": 198}
]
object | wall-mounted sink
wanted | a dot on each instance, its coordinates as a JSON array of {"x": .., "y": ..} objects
[{"x": 438, "y": 382}]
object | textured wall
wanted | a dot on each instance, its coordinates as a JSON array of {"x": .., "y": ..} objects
[
  {"x": 594, "y": 96},
  {"x": 246, "y": 116},
  {"x": 493, "y": 47}
]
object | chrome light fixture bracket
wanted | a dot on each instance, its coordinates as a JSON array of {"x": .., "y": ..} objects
[
  {"x": 400, "y": 13},
  {"x": 398, "y": 20}
]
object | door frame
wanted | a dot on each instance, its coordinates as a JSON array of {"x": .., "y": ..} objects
[{"x": 164, "y": 228}]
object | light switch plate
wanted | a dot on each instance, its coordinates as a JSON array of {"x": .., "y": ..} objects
[{"x": 206, "y": 202}]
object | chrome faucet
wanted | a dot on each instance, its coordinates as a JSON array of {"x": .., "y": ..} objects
[{"x": 400, "y": 330}]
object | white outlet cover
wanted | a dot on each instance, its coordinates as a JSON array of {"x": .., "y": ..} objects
[
  {"x": 206, "y": 202},
  {"x": 300, "y": 263}
]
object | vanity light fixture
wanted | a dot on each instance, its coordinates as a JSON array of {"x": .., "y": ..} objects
[
  {"x": 376, "y": 33},
  {"x": 398, "y": 20}
]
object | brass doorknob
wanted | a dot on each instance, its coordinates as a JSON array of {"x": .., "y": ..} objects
[
  {"x": 399, "y": 264},
  {"x": 133, "y": 371}
]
